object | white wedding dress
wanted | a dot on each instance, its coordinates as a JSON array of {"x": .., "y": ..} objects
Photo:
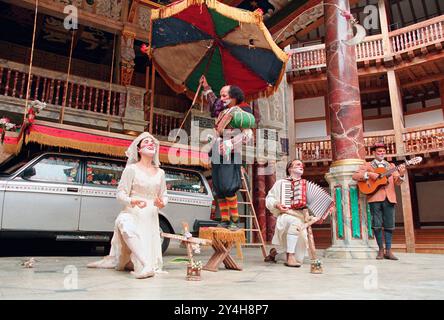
[{"x": 141, "y": 223}]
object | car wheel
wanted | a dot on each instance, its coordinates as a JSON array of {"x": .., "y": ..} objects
[{"x": 164, "y": 227}]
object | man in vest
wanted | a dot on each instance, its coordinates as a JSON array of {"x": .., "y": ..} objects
[{"x": 382, "y": 202}]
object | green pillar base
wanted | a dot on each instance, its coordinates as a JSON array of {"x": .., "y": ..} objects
[{"x": 351, "y": 238}]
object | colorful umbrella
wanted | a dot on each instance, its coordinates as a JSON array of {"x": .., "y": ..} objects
[{"x": 232, "y": 46}]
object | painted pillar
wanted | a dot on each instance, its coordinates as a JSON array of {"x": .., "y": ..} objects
[
  {"x": 270, "y": 179},
  {"x": 259, "y": 194},
  {"x": 350, "y": 231}
]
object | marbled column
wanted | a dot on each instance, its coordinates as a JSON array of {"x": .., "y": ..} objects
[
  {"x": 259, "y": 194},
  {"x": 350, "y": 232},
  {"x": 343, "y": 86},
  {"x": 271, "y": 220}
]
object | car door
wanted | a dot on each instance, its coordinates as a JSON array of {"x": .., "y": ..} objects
[
  {"x": 45, "y": 196},
  {"x": 99, "y": 207},
  {"x": 189, "y": 198}
]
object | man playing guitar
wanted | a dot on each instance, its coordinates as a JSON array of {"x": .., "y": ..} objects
[{"x": 382, "y": 201}]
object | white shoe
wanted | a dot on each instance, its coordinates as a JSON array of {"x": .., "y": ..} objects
[{"x": 143, "y": 274}]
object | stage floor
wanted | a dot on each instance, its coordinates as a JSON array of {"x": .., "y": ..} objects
[
  {"x": 427, "y": 239},
  {"x": 414, "y": 276}
]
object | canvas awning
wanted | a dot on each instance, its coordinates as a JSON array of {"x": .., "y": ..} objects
[{"x": 107, "y": 143}]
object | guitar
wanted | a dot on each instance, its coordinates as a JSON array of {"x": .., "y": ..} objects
[{"x": 371, "y": 186}]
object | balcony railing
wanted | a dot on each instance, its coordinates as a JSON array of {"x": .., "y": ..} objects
[
  {"x": 418, "y": 140},
  {"x": 50, "y": 87},
  {"x": 164, "y": 121},
  {"x": 371, "y": 48},
  {"x": 404, "y": 40},
  {"x": 418, "y": 35},
  {"x": 424, "y": 139}
]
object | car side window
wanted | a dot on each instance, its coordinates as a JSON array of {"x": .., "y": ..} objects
[
  {"x": 54, "y": 169},
  {"x": 184, "y": 181},
  {"x": 103, "y": 173}
]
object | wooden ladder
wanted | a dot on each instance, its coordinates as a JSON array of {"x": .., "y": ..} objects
[{"x": 251, "y": 222}]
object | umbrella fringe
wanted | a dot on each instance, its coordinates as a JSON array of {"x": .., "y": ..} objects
[{"x": 243, "y": 16}]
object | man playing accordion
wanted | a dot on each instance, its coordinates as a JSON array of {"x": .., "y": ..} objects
[{"x": 288, "y": 201}]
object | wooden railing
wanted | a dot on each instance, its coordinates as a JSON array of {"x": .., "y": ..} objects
[
  {"x": 403, "y": 40},
  {"x": 418, "y": 35},
  {"x": 370, "y": 48},
  {"x": 424, "y": 139},
  {"x": 50, "y": 87},
  {"x": 319, "y": 149},
  {"x": 164, "y": 121},
  {"x": 308, "y": 57},
  {"x": 386, "y": 136}
]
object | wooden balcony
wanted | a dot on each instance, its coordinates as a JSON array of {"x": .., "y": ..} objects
[
  {"x": 419, "y": 140},
  {"x": 406, "y": 41},
  {"x": 88, "y": 102},
  {"x": 50, "y": 87}
]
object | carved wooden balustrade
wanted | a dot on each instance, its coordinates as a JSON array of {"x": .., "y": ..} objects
[
  {"x": 424, "y": 139},
  {"x": 50, "y": 87},
  {"x": 417, "y": 36},
  {"x": 164, "y": 121},
  {"x": 319, "y": 149},
  {"x": 417, "y": 140},
  {"x": 308, "y": 58},
  {"x": 370, "y": 49}
]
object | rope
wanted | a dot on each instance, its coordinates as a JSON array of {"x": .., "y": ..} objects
[
  {"x": 343, "y": 12},
  {"x": 108, "y": 111},
  {"x": 62, "y": 112},
  {"x": 31, "y": 59}
]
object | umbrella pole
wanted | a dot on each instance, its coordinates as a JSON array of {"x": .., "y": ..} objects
[
  {"x": 65, "y": 94},
  {"x": 189, "y": 110},
  {"x": 197, "y": 91}
]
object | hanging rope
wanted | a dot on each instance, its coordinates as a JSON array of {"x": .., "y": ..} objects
[
  {"x": 65, "y": 95},
  {"x": 28, "y": 87},
  {"x": 108, "y": 111},
  {"x": 346, "y": 14}
]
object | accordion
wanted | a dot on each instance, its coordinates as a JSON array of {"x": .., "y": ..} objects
[{"x": 318, "y": 200}]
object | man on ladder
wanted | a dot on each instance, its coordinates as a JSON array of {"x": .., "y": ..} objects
[{"x": 225, "y": 154}]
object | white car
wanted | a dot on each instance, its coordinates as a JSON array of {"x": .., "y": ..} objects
[{"x": 73, "y": 197}]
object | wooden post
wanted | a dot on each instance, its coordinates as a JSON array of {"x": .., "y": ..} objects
[
  {"x": 397, "y": 112},
  {"x": 415, "y": 207},
  {"x": 441, "y": 94},
  {"x": 398, "y": 126},
  {"x": 289, "y": 89},
  {"x": 153, "y": 82},
  {"x": 384, "y": 30},
  {"x": 409, "y": 230}
]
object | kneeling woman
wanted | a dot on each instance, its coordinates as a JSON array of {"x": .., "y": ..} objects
[{"x": 136, "y": 242}]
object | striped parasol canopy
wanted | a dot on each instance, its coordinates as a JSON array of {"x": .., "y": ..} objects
[{"x": 191, "y": 38}]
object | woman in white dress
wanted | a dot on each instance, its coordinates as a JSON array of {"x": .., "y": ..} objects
[{"x": 136, "y": 242}]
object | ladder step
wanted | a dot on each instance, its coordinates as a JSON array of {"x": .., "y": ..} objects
[
  {"x": 243, "y": 202},
  {"x": 251, "y": 229},
  {"x": 245, "y": 216},
  {"x": 243, "y": 190}
]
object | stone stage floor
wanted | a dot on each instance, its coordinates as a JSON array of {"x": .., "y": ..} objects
[{"x": 414, "y": 276}]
